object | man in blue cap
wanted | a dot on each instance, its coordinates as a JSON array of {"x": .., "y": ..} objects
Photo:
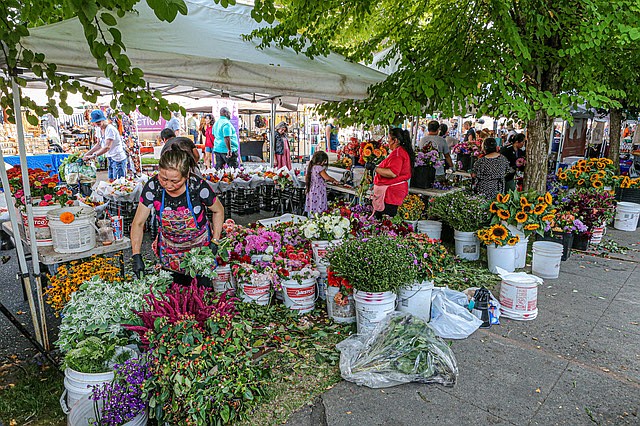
[{"x": 109, "y": 144}]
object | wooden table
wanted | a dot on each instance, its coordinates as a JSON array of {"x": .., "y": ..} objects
[
  {"x": 49, "y": 257},
  {"x": 428, "y": 192}
]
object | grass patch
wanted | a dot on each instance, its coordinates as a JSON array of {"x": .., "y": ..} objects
[
  {"x": 30, "y": 394},
  {"x": 149, "y": 161}
]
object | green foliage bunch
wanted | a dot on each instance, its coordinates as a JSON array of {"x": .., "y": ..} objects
[
  {"x": 91, "y": 355},
  {"x": 463, "y": 211},
  {"x": 375, "y": 264}
]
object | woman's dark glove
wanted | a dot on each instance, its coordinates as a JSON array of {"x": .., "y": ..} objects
[
  {"x": 370, "y": 166},
  {"x": 138, "y": 265},
  {"x": 214, "y": 248}
]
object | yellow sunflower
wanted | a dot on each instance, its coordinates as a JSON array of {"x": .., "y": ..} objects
[
  {"x": 541, "y": 200},
  {"x": 548, "y": 217},
  {"x": 587, "y": 169},
  {"x": 597, "y": 184},
  {"x": 562, "y": 176},
  {"x": 493, "y": 208},
  {"x": 580, "y": 182},
  {"x": 521, "y": 217},
  {"x": 601, "y": 165},
  {"x": 524, "y": 201},
  {"x": 504, "y": 214},
  {"x": 581, "y": 163},
  {"x": 527, "y": 209},
  {"x": 594, "y": 177},
  {"x": 503, "y": 198},
  {"x": 531, "y": 227},
  {"x": 548, "y": 198},
  {"x": 540, "y": 208},
  {"x": 499, "y": 232},
  {"x": 513, "y": 241}
]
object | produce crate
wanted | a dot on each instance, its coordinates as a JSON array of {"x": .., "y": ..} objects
[
  {"x": 245, "y": 201},
  {"x": 296, "y": 198},
  {"x": 269, "y": 197}
]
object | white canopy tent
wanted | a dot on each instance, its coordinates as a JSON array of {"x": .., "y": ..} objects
[
  {"x": 197, "y": 55},
  {"x": 205, "y": 50}
]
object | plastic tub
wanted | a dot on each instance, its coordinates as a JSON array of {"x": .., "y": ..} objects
[
  {"x": 467, "y": 245},
  {"x": 519, "y": 296},
  {"x": 371, "y": 308},
  {"x": 546, "y": 261},
  {"x": 343, "y": 314},
  {"x": 501, "y": 256},
  {"x": 416, "y": 300},
  {"x": 627, "y": 215},
  {"x": 432, "y": 228},
  {"x": 299, "y": 297}
]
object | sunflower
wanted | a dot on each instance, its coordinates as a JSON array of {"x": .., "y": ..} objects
[
  {"x": 513, "y": 241},
  {"x": 548, "y": 217},
  {"x": 524, "y": 201},
  {"x": 562, "y": 176},
  {"x": 531, "y": 227},
  {"x": 493, "y": 208},
  {"x": 503, "y": 198},
  {"x": 587, "y": 169},
  {"x": 580, "y": 182},
  {"x": 600, "y": 165},
  {"x": 540, "y": 208},
  {"x": 581, "y": 163},
  {"x": 548, "y": 198},
  {"x": 581, "y": 169},
  {"x": 540, "y": 199},
  {"x": 527, "y": 209},
  {"x": 504, "y": 214},
  {"x": 521, "y": 217},
  {"x": 597, "y": 184},
  {"x": 594, "y": 177},
  {"x": 499, "y": 232}
]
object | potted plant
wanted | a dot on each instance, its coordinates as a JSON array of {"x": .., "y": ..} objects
[
  {"x": 595, "y": 209},
  {"x": 297, "y": 276},
  {"x": 424, "y": 170},
  {"x": 501, "y": 250},
  {"x": 465, "y": 213},
  {"x": 324, "y": 230},
  {"x": 411, "y": 210},
  {"x": 340, "y": 304},
  {"x": 561, "y": 227},
  {"x": 255, "y": 281},
  {"x": 376, "y": 267},
  {"x": 120, "y": 401}
]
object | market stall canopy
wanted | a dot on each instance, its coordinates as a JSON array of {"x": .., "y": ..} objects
[{"x": 205, "y": 50}]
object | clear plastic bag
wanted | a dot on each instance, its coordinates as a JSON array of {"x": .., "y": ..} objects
[
  {"x": 401, "y": 349},
  {"x": 449, "y": 316}
]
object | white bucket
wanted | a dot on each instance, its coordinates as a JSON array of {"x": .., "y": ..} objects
[
  {"x": 223, "y": 280},
  {"x": 627, "y": 215},
  {"x": 299, "y": 297},
  {"x": 320, "y": 249},
  {"x": 432, "y": 228},
  {"x": 255, "y": 258},
  {"x": 343, "y": 314},
  {"x": 416, "y": 300},
  {"x": 84, "y": 414},
  {"x": 501, "y": 256},
  {"x": 371, "y": 308},
  {"x": 74, "y": 237},
  {"x": 258, "y": 294},
  {"x": 40, "y": 223},
  {"x": 547, "y": 257},
  {"x": 78, "y": 385},
  {"x": 521, "y": 252},
  {"x": 467, "y": 245},
  {"x": 519, "y": 296},
  {"x": 322, "y": 286},
  {"x": 597, "y": 233}
]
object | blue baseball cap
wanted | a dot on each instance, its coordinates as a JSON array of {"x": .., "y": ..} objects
[{"x": 97, "y": 116}]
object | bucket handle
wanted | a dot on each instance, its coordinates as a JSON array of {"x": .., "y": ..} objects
[{"x": 63, "y": 403}]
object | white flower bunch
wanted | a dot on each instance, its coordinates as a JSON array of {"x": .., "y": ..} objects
[{"x": 326, "y": 227}]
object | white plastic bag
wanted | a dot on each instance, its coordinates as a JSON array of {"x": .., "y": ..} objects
[
  {"x": 449, "y": 316},
  {"x": 401, "y": 349}
]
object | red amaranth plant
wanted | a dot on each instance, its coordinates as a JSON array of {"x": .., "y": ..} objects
[{"x": 180, "y": 302}]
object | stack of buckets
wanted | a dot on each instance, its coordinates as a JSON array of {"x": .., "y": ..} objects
[
  {"x": 627, "y": 215},
  {"x": 519, "y": 295}
]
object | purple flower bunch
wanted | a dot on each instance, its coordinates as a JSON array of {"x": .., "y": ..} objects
[
  {"x": 259, "y": 242},
  {"x": 429, "y": 158},
  {"x": 122, "y": 398}
]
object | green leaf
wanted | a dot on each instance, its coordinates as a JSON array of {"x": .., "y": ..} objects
[{"x": 108, "y": 19}]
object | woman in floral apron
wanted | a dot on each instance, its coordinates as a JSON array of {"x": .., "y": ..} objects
[
  {"x": 391, "y": 177},
  {"x": 180, "y": 200}
]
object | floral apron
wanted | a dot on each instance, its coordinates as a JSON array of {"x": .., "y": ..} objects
[{"x": 178, "y": 234}]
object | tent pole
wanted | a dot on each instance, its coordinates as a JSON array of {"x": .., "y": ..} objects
[
  {"x": 35, "y": 260},
  {"x": 22, "y": 261},
  {"x": 272, "y": 133}
]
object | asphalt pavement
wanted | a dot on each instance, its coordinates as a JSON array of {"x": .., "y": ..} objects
[{"x": 577, "y": 363}]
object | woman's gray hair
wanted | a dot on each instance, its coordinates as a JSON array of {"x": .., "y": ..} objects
[{"x": 281, "y": 125}]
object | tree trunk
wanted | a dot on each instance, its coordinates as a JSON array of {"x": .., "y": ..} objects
[
  {"x": 615, "y": 124},
  {"x": 538, "y": 130}
]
